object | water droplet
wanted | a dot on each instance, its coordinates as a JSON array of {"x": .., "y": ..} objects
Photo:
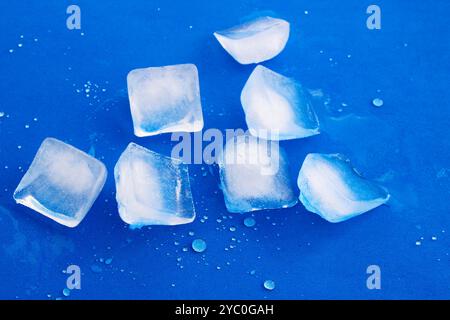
[
  {"x": 199, "y": 245},
  {"x": 66, "y": 292},
  {"x": 232, "y": 229},
  {"x": 418, "y": 243},
  {"x": 11, "y": 50},
  {"x": 249, "y": 222},
  {"x": 269, "y": 284},
  {"x": 108, "y": 261},
  {"x": 191, "y": 233},
  {"x": 434, "y": 238},
  {"x": 96, "y": 268},
  {"x": 377, "y": 102},
  {"x": 2, "y": 114}
]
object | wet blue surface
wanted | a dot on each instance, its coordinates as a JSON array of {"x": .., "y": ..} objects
[{"x": 404, "y": 144}]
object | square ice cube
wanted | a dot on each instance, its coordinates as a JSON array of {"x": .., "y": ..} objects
[
  {"x": 254, "y": 175},
  {"x": 152, "y": 189},
  {"x": 332, "y": 188},
  {"x": 255, "y": 41},
  {"x": 62, "y": 182},
  {"x": 165, "y": 99},
  {"x": 275, "y": 103}
]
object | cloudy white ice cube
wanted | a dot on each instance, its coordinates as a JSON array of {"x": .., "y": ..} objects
[
  {"x": 255, "y": 41},
  {"x": 279, "y": 105},
  {"x": 61, "y": 183},
  {"x": 332, "y": 188},
  {"x": 152, "y": 189},
  {"x": 254, "y": 175},
  {"x": 165, "y": 99}
]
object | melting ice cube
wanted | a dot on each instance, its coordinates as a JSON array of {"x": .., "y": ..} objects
[
  {"x": 258, "y": 40},
  {"x": 152, "y": 189},
  {"x": 277, "y": 104},
  {"x": 254, "y": 175},
  {"x": 62, "y": 183},
  {"x": 165, "y": 99},
  {"x": 330, "y": 187}
]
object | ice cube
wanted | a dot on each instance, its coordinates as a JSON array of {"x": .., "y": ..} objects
[
  {"x": 332, "y": 188},
  {"x": 165, "y": 99},
  {"x": 254, "y": 175},
  {"x": 255, "y": 41},
  {"x": 62, "y": 182},
  {"x": 152, "y": 189},
  {"x": 278, "y": 104}
]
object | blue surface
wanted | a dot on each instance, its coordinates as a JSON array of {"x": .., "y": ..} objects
[{"x": 404, "y": 144}]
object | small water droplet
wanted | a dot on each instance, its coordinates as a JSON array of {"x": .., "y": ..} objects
[
  {"x": 66, "y": 292},
  {"x": 232, "y": 229},
  {"x": 191, "y": 233},
  {"x": 249, "y": 222},
  {"x": 199, "y": 245},
  {"x": 269, "y": 284},
  {"x": 434, "y": 238},
  {"x": 377, "y": 102},
  {"x": 96, "y": 268},
  {"x": 2, "y": 114},
  {"x": 108, "y": 261},
  {"x": 418, "y": 243}
]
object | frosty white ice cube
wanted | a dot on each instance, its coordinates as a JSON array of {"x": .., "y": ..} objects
[
  {"x": 330, "y": 187},
  {"x": 255, "y": 41},
  {"x": 62, "y": 182},
  {"x": 277, "y": 104},
  {"x": 254, "y": 175},
  {"x": 165, "y": 99},
  {"x": 152, "y": 189}
]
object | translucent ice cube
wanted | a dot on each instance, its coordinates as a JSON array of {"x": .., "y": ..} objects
[
  {"x": 165, "y": 99},
  {"x": 254, "y": 175},
  {"x": 330, "y": 187},
  {"x": 152, "y": 189},
  {"x": 255, "y": 41},
  {"x": 62, "y": 182},
  {"x": 277, "y": 104}
]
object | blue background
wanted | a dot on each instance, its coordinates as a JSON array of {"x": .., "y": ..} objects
[{"x": 404, "y": 144}]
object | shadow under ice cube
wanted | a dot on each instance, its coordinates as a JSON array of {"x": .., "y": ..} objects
[
  {"x": 152, "y": 189},
  {"x": 62, "y": 182},
  {"x": 165, "y": 99}
]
